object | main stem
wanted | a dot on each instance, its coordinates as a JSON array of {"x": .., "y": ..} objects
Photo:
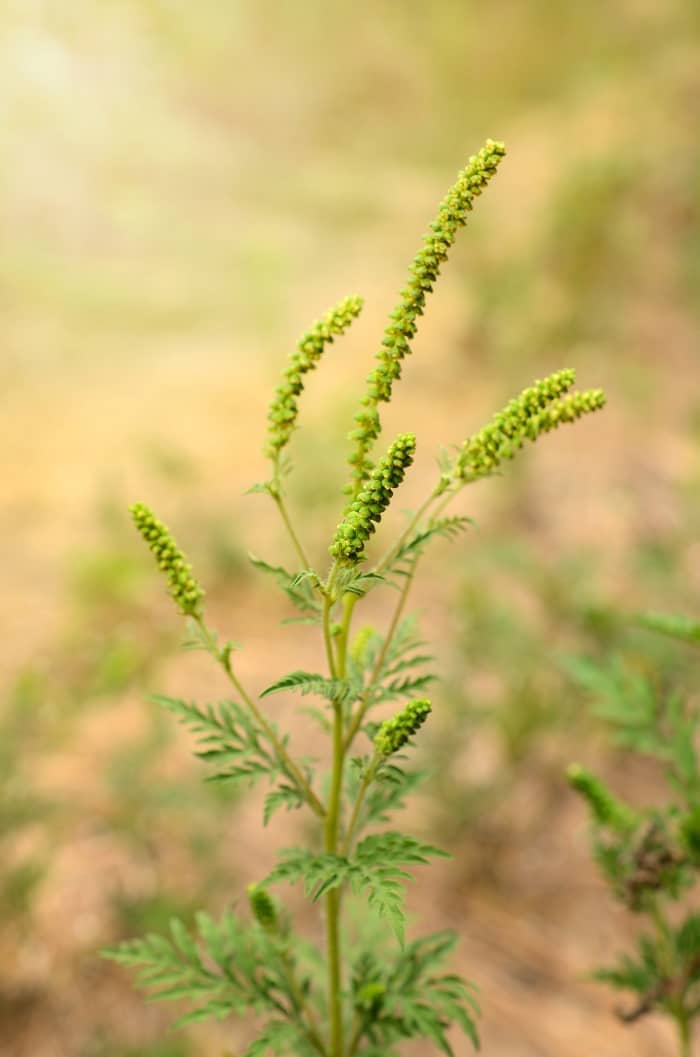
[{"x": 337, "y": 668}]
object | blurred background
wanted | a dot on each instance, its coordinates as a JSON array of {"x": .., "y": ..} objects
[{"x": 185, "y": 187}]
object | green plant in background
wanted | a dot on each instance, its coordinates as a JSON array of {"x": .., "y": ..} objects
[
  {"x": 651, "y": 856},
  {"x": 368, "y": 992}
]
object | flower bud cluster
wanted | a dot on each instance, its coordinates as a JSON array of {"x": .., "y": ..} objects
[
  {"x": 606, "y": 809},
  {"x": 283, "y": 410},
  {"x": 183, "y": 587},
  {"x": 262, "y": 907},
  {"x": 395, "y": 732},
  {"x": 364, "y": 513},
  {"x": 452, "y": 214},
  {"x": 537, "y": 410}
]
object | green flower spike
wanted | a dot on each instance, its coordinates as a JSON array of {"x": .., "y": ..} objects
[
  {"x": 605, "y": 808},
  {"x": 365, "y": 512},
  {"x": 452, "y": 215},
  {"x": 263, "y": 907},
  {"x": 183, "y": 587},
  {"x": 283, "y": 412},
  {"x": 395, "y": 732},
  {"x": 537, "y": 410}
]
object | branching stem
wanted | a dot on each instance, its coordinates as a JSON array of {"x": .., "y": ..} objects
[
  {"x": 366, "y": 699},
  {"x": 222, "y": 657}
]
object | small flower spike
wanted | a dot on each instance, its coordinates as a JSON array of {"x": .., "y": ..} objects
[
  {"x": 394, "y": 733},
  {"x": 365, "y": 512},
  {"x": 187, "y": 593},
  {"x": 262, "y": 907},
  {"x": 452, "y": 215},
  {"x": 283, "y": 412},
  {"x": 537, "y": 410},
  {"x": 605, "y": 808}
]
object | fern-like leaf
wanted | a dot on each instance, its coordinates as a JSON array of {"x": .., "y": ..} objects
[
  {"x": 297, "y": 587},
  {"x": 310, "y": 683},
  {"x": 227, "y": 738}
]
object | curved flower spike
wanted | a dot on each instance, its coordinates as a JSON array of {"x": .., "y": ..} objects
[
  {"x": 186, "y": 591},
  {"x": 537, "y": 410},
  {"x": 283, "y": 411},
  {"x": 605, "y": 808},
  {"x": 394, "y": 733},
  {"x": 365, "y": 512},
  {"x": 452, "y": 215}
]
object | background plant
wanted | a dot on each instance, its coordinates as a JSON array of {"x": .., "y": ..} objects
[
  {"x": 366, "y": 1004},
  {"x": 650, "y": 856}
]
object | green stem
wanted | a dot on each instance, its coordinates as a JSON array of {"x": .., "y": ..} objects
[
  {"x": 328, "y": 603},
  {"x": 366, "y": 699},
  {"x": 356, "y": 1035},
  {"x": 224, "y": 660},
  {"x": 296, "y": 542},
  {"x": 684, "y": 1028},
  {"x": 359, "y": 801},
  {"x": 670, "y": 970},
  {"x": 332, "y": 825},
  {"x": 663, "y": 931},
  {"x": 312, "y": 1029}
]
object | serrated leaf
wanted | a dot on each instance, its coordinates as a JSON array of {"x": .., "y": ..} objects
[
  {"x": 297, "y": 587},
  {"x": 226, "y": 966},
  {"x": 287, "y": 796},
  {"x": 228, "y": 738},
  {"x": 393, "y": 847},
  {"x": 415, "y": 1001},
  {"x": 360, "y": 583},
  {"x": 391, "y": 786},
  {"x": 320, "y": 873},
  {"x": 409, "y": 686},
  {"x": 280, "y": 1038},
  {"x": 310, "y": 683},
  {"x": 448, "y": 528}
]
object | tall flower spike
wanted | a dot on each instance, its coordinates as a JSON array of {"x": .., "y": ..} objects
[
  {"x": 365, "y": 512},
  {"x": 452, "y": 214},
  {"x": 537, "y": 410},
  {"x": 283, "y": 410},
  {"x": 605, "y": 808},
  {"x": 187, "y": 593},
  {"x": 395, "y": 732}
]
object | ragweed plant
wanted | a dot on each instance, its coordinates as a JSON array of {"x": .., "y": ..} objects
[
  {"x": 650, "y": 856},
  {"x": 364, "y": 993}
]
